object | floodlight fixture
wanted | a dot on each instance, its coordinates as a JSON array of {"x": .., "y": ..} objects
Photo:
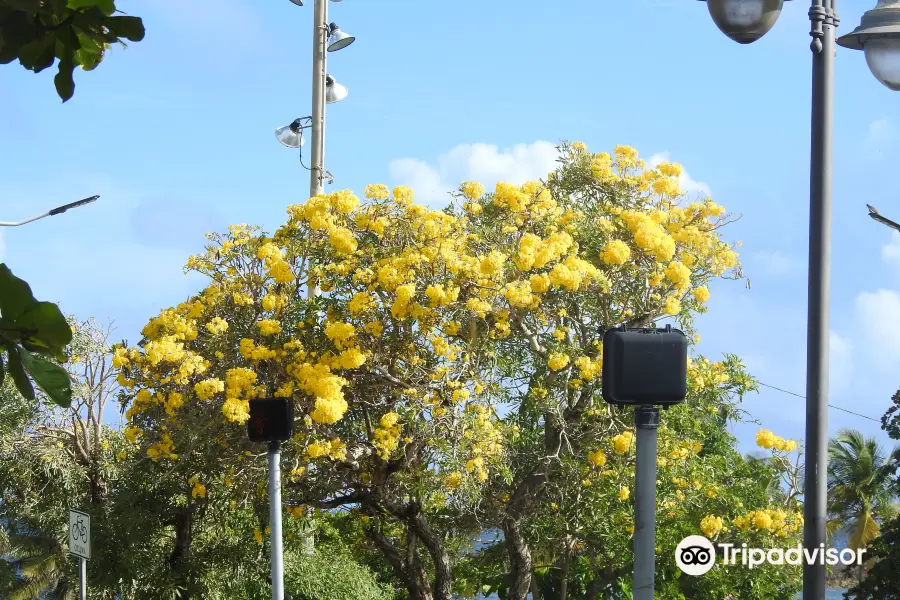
[
  {"x": 338, "y": 39},
  {"x": 334, "y": 92}
]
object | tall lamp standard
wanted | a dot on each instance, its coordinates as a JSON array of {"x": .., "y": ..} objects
[
  {"x": 327, "y": 37},
  {"x": 878, "y": 35}
]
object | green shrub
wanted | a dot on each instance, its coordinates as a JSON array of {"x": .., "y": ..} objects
[{"x": 327, "y": 576}]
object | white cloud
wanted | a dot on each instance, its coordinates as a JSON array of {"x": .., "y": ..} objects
[
  {"x": 688, "y": 184},
  {"x": 840, "y": 362},
  {"x": 890, "y": 252},
  {"x": 425, "y": 180},
  {"x": 485, "y": 163},
  {"x": 879, "y": 134},
  {"x": 876, "y": 312},
  {"x": 777, "y": 263}
]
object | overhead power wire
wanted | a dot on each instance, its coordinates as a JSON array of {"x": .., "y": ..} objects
[{"x": 830, "y": 405}]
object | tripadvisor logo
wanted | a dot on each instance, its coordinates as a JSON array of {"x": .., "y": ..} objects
[{"x": 696, "y": 555}]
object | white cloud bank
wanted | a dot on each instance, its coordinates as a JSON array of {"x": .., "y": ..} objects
[
  {"x": 879, "y": 135},
  {"x": 777, "y": 263},
  {"x": 840, "y": 363},
  {"x": 877, "y": 312},
  {"x": 485, "y": 163},
  {"x": 488, "y": 164},
  {"x": 890, "y": 252}
]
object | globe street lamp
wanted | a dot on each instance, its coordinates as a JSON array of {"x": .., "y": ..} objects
[{"x": 878, "y": 35}]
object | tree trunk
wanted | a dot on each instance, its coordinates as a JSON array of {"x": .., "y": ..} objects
[
  {"x": 178, "y": 559},
  {"x": 535, "y": 590},
  {"x": 594, "y": 588},
  {"x": 443, "y": 575},
  {"x": 564, "y": 572},
  {"x": 519, "y": 560},
  {"x": 409, "y": 571}
]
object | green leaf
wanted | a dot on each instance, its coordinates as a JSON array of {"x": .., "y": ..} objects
[
  {"x": 15, "y": 295},
  {"x": 39, "y": 54},
  {"x": 59, "y": 8},
  {"x": 88, "y": 60},
  {"x": 64, "y": 80},
  {"x": 50, "y": 325},
  {"x": 130, "y": 28},
  {"x": 17, "y": 371},
  {"x": 2, "y": 370},
  {"x": 107, "y": 6},
  {"x": 28, "y": 6},
  {"x": 51, "y": 378},
  {"x": 69, "y": 40}
]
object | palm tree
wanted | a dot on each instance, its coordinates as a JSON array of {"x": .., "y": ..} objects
[
  {"x": 860, "y": 487},
  {"x": 39, "y": 562}
]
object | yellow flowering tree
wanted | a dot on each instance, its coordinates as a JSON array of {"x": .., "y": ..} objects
[
  {"x": 430, "y": 326},
  {"x": 580, "y": 527},
  {"x": 621, "y": 245}
]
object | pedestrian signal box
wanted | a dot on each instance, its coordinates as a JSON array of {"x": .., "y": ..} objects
[
  {"x": 271, "y": 419},
  {"x": 644, "y": 366}
]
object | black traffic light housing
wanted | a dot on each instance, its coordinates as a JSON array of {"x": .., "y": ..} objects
[
  {"x": 271, "y": 419},
  {"x": 644, "y": 366}
]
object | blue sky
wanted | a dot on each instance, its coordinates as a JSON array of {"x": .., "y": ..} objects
[{"x": 176, "y": 135}]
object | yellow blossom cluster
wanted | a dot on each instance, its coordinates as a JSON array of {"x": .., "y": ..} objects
[
  {"x": 776, "y": 521},
  {"x": 387, "y": 435},
  {"x": 704, "y": 374},
  {"x": 597, "y": 458},
  {"x": 767, "y": 439},
  {"x": 198, "y": 490},
  {"x": 623, "y": 442},
  {"x": 711, "y": 525}
]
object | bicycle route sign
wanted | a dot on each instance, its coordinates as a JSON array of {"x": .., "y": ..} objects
[{"x": 80, "y": 534}]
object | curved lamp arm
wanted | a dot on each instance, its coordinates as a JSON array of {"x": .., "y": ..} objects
[{"x": 56, "y": 211}]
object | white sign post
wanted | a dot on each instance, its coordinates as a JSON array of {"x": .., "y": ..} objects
[{"x": 80, "y": 545}]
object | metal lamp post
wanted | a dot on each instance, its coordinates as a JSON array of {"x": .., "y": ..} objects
[
  {"x": 746, "y": 21},
  {"x": 327, "y": 37}
]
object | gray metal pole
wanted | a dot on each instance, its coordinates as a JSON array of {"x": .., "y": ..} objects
[
  {"x": 82, "y": 579},
  {"x": 317, "y": 143},
  {"x": 275, "y": 521},
  {"x": 823, "y": 20},
  {"x": 646, "y": 420}
]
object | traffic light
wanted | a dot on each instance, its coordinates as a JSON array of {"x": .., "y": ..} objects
[
  {"x": 644, "y": 366},
  {"x": 271, "y": 419}
]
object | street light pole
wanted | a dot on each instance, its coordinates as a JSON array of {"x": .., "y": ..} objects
[
  {"x": 878, "y": 35},
  {"x": 823, "y": 21},
  {"x": 317, "y": 143}
]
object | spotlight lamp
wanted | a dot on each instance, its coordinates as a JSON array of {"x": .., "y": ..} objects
[
  {"x": 878, "y": 36},
  {"x": 744, "y": 21},
  {"x": 338, "y": 39},
  {"x": 334, "y": 92},
  {"x": 292, "y": 135}
]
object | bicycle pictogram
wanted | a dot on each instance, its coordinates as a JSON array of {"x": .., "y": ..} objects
[{"x": 78, "y": 532}]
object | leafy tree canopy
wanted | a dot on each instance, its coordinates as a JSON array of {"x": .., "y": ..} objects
[{"x": 77, "y": 33}]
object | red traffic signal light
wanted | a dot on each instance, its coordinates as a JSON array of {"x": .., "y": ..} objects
[
  {"x": 644, "y": 366},
  {"x": 271, "y": 419}
]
